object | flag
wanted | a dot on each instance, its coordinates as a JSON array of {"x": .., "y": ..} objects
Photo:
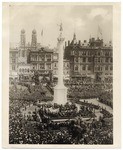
[
  {"x": 42, "y": 33},
  {"x": 99, "y": 30}
]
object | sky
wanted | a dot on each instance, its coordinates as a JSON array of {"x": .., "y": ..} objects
[{"x": 81, "y": 19}]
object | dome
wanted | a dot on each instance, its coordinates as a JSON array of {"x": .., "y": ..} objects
[
  {"x": 34, "y": 31},
  {"x": 23, "y": 31}
]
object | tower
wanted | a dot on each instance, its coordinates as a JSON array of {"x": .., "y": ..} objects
[
  {"x": 74, "y": 41},
  {"x": 34, "y": 39},
  {"x": 60, "y": 91},
  {"x": 22, "y": 38},
  {"x": 22, "y": 49}
]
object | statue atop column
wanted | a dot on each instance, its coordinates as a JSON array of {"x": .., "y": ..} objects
[
  {"x": 60, "y": 38},
  {"x": 60, "y": 91}
]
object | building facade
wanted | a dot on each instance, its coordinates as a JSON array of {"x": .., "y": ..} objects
[
  {"x": 92, "y": 59},
  {"x": 41, "y": 60},
  {"x": 13, "y": 63}
]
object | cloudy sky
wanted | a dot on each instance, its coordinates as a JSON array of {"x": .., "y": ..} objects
[{"x": 81, "y": 19}]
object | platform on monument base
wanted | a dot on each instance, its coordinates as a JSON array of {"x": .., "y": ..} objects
[{"x": 60, "y": 94}]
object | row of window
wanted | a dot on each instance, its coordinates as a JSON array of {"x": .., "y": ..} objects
[
  {"x": 41, "y": 58},
  {"x": 13, "y": 60},
  {"x": 24, "y": 70},
  {"x": 98, "y": 68},
  {"x": 90, "y": 59},
  {"x": 42, "y": 66},
  {"x": 90, "y": 53}
]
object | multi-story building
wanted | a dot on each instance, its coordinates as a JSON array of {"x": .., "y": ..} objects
[
  {"x": 41, "y": 60},
  {"x": 93, "y": 58},
  {"x": 13, "y": 63}
]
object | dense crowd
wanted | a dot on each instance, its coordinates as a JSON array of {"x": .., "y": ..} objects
[
  {"x": 58, "y": 124},
  {"x": 30, "y": 92},
  {"x": 103, "y": 91},
  {"x": 23, "y": 130}
]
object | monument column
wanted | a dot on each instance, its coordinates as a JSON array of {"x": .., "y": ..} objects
[{"x": 60, "y": 91}]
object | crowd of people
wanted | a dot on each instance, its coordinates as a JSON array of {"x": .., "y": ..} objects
[
  {"x": 102, "y": 91},
  {"x": 23, "y": 130},
  {"x": 75, "y": 131},
  {"x": 30, "y": 92},
  {"x": 58, "y": 124}
]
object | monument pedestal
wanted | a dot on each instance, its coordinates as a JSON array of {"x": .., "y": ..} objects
[{"x": 60, "y": 94}]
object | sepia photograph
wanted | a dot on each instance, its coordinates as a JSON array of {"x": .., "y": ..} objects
[{"x": 61, "y": 74}]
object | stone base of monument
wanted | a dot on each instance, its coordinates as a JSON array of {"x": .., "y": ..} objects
[{"x": 60, "y": 94}]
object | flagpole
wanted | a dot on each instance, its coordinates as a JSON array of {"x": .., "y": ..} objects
[{"x": 42, "y": 37}]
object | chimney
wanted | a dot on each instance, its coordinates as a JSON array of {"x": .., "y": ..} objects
[
  {"x": 65, "y": 44},
  {"x": 68, "y": 43},
  {"x": 79, "y": 42}
]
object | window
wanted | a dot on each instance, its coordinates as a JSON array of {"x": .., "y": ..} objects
[
  {"x": 41, "y": 66},
  {"x": 111, "y": 68},
  {"x": 84, "y": 59},
  {"x": 13, "y": 67},
  {"x": 106, "y": 59},
  {"x": 55, "y": 65},
  {"x": 35, "y": 57},
  {"x": 41, "y": 57},
  {"x": 89, "y": 53},
  {"x": 13, "y": 55},
  {"x": 34, "y": 66},
  {"x": 98, "y": 68},
  {"x": 23, "y": 53},
  {"x": 98, "y": 53},
  {"x": 95, "y": 59},
  {"x": 84, "y": 68},
  {"x": 106, "y": 53},
  {"x": 89, "y": 67},
  {"x": 106, "y": 68},
  {"x": 76, "y": 67},
  {"x": 13, "y": 61},
  {"x": 84, "y": 53},
  {"x": 75, "y": 59},
  {"x": 48, "y": 57},
  {"x": 111, "y": 60},
  {"x": 89, "y": 59},
  {"x": 48, "y": 66}
]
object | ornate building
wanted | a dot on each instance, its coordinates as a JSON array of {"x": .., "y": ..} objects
[
  {"x": 85, "y": 59},
  {"x": 41, "y": 60},
  {"x": 93, "y": 59}
]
